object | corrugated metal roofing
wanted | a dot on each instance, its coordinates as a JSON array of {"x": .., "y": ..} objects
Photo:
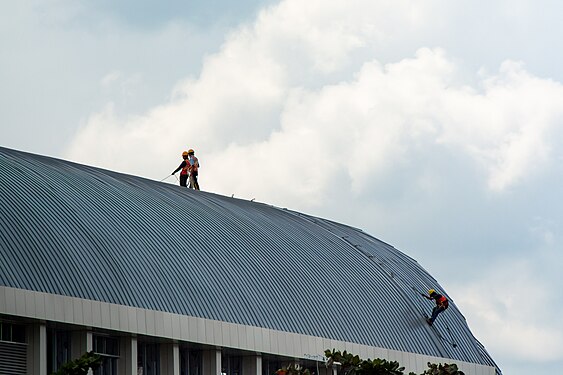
[{"x": 85, "y": 232}]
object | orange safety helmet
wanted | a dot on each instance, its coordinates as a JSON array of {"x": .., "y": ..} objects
[
  {"x": 191, "y": 151},
  {"x": 185, "y": 153}
]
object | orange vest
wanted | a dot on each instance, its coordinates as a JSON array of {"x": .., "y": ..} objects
[
  {"x": 186, "y": 168},
  {"x": 442, "y": 301}
]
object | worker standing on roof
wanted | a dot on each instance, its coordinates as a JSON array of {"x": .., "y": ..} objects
[
  {"x": 185, "y": 167},
  {"x": 441, "y": 304},
  {"x": 194, "y": 167}
]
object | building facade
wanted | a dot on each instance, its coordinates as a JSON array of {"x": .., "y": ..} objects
[{"x": 160, "y": 279}]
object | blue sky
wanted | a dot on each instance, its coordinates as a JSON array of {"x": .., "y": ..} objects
[{"x": 434, "y": 126}]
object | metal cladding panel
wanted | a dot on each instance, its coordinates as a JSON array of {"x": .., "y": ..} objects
[
  {"x": 84, "y": 232},
  {"x": 454, "y": 339}
]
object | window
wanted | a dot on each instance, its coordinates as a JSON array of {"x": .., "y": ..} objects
[
  {"x": 148, "y": 359},
  {"x": 231, "y": 365},
  {"x": 58, "y": 349},
  {"x": 105, "y": 345},
  {"x": 12, "y": 332},
  {"x": 108, "y": 348},
  {"x": 190, "y": 362},
  {"x": 13, "y": 348}
]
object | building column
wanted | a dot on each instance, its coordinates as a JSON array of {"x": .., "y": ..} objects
[
  {"x": 211, "y": 362},
  {"x": 37, "y": 350},
  {"x": 80, "y": 343},
  {"x": 127, "y": 363},
  {"x": 252, "y": 365},
  {"x": 170, "y": 359}
]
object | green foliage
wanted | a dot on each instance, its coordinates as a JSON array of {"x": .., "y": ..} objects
[
  {"x": 293, "y": 369},
  {"x": 81, "y": 365},
  {"x": 349, "y": 364},
  {"x": 352, "y": 364},
  {"x": 380, "y": 367},
  {"x": 445, "y": 369}
]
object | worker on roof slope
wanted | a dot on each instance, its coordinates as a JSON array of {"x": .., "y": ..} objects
[
  {"x": 194, "y": 167},
  {"x": 441, "y": 304},
  {"x": 185, "y": 167}
]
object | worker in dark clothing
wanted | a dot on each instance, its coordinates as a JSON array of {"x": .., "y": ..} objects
[
  {"x": 185, "y": 167},
  {"x": 441, "y": 304}
]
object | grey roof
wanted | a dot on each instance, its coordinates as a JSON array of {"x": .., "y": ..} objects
[{"x": 85, "y": 232}]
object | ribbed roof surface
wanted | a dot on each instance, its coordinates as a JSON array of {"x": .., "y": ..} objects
[{"x": 85, "y": 232}]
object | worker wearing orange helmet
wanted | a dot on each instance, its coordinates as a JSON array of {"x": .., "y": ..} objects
[
  {"x": 185, "y": 167},
  {"x": 441, "y": 304}
]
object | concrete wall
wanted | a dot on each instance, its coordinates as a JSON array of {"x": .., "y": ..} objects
[
  {"x": 180, "y": 328},
  {"x": 37, "y": 349}
]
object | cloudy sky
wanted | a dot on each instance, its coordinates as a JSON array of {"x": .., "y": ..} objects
[{"x": 436, "y": 126}]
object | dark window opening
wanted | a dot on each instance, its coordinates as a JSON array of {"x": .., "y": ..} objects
[
  {"x": 58, "y": 349},
  {"x": 231, "y": 365},
  {"x": 108, "y": 348},
  {"x": 190, "y": 362},
  {"x": 148, "y": 359},
  {"x": 12, "y": 332}
]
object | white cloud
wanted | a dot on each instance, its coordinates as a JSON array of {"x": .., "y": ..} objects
[
  {"x": 509, "y": 127},
  {"x": 397, "y": 116},
  {"x": 512, "y": 310},
  {"x": 110, "y": 78},
  {"x": 243, "y": 110}
]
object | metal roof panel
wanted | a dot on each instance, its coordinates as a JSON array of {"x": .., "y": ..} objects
[{"x": 86, "y": 232}]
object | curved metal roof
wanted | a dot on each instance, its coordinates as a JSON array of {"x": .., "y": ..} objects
[{"x": 84, "y": 232}]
